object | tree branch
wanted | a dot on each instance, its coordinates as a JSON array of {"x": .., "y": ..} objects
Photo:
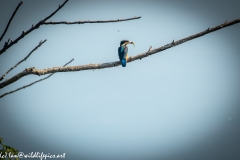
[
  {"x": 40, "y": 43},
  {"x": 10, "y": 20},
  {"x": 23, "y": 87},
  {"x": 6, "y": 46},
  {"x": 39, "y": 72},
  {"x": 43, "y": 22},
  {"x": 82, "y": 22}
]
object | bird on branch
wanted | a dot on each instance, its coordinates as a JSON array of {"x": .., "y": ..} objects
[{"x": 123, "y": 51}]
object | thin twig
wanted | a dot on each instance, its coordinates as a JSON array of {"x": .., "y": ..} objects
[
  {"x": 97, "y": 21},
  {"x": 39, "y": 72},
  {"x": 10, "y": 20},
  {"x": 40, "y": 43},
  {"x": 24, "y": 33},
  {"x": 43, "y": 22},
  {"x": 59, "y": 7},
  {"x": 149, "y": 48},
  {"x": 23, "y": 87}
]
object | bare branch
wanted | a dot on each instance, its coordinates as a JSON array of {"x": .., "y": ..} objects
[
  {"x": 40, "y": 43},
  {"x": 43, "y": 22},
  {"x": 68, "y": 62},
  {"x": 10, "y": 20},
  {"x": 24, "y": 33},
  {"x": 59, "y": 7},
  {"x": 23, "y": 87},
  {"x": 39, "y": 72},
  {"x": 82, "y": 22}
]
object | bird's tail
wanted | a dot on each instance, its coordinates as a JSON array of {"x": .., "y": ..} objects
[{"x": 123, "y": 62}]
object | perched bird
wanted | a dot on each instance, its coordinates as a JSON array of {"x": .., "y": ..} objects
[{"x": 123, "y": 51}]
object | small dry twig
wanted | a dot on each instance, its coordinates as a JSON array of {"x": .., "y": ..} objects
[
  {"x": 150, "y": 49},
  {"x": 97, "y": 21},
  {"x": 23, "y": 87},
  {"x": 40, "y": 43}
]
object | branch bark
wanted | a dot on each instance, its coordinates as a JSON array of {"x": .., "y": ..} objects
[
  {"x": 39, "y": 72},
  {"x": 23, "y": 87}
]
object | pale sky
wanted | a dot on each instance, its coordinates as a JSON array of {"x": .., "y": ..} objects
[{"x": 182, "y": 103}]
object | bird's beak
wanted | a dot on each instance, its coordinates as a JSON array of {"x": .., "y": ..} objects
[{"x": 132, "y": 43}]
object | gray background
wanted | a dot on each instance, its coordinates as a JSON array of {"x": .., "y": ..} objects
[{"x": 179, "y": 104}]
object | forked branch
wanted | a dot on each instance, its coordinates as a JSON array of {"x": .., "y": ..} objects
[
  {"x": 24, "y": 59},
  {"x": 43, "y": 22},
  {"x": 23, "y": 87},
  {"x": 39, "y": 72},
  {"x": 24, "y": 33}
]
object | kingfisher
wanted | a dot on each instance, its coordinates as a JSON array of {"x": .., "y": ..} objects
[{"x": 123, "y": 51}]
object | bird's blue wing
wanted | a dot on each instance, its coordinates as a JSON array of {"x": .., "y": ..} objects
[{"x": 122, "y": 53}]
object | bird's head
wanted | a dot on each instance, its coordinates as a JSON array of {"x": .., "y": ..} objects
[{"x": 126, "y": 42}]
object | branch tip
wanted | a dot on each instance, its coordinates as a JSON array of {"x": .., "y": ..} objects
[
  {"x": 10, "y": 20},
  {"x": 150, "y": 48}
]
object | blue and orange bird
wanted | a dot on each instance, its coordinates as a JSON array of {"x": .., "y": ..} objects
[{"x": 123, "y": 51}]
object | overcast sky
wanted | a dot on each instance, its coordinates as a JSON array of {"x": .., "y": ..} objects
[{"x": 179, "y": 104}]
